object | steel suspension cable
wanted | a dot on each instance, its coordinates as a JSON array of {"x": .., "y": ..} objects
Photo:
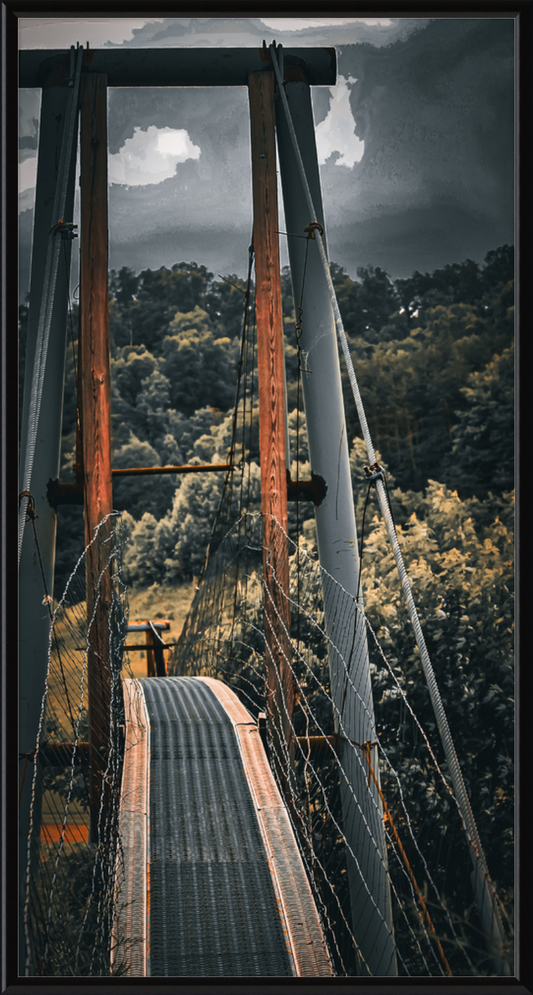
[
  {"x": 495, "y": 934},
  {"x": 48, "y": 292}
]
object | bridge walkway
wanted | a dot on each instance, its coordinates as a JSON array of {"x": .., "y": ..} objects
[{"x": 213, "y": 883}]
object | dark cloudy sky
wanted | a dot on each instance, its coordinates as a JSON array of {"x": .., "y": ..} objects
[{"x": 416, "y": 141}]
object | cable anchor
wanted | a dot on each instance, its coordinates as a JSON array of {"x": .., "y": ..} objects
[
  {"x": 30, "y": 508},
  {"x": 314, "y": 226},
  {"x": 373, "y": 473},
  {"x": 65, "y": 229},
  {"x": 70, "y": 73},
  {"x": 278, "y": 51}
]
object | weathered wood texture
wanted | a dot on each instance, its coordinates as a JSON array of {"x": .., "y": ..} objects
[
  {"x": 272, "y": 443},
  {"x": 95, "y": 417},
  {"x": 150, "y": 659}
]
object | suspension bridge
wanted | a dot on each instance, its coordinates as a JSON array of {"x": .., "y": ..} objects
[{"x": 226, "y": 815}]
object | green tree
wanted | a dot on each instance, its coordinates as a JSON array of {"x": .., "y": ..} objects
[
  {"x": 498, "y": 268},
  {"x": 137, "y": 494},
  {"x": 225, "y": 303},
  {"x": 412, "y": 387},
  {"x": 172, "y": 546},
  {"x": 482, "y": 458},
  {"x": 200, "y": 367},
  {"x": 459, "y": 559},
  {"x": 123, "y": 286},
  {"x": 158, "y": 295},
  {"x": 366, "y": 305}
]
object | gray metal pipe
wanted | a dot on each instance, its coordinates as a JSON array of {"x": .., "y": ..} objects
[
  {"x": 33, "y": 639},
  {"x": 338, "y": 551}
]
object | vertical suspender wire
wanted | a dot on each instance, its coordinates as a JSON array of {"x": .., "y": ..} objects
[
  {"x": 48, "y": 294},
  {"x": 483, "y": 887}
]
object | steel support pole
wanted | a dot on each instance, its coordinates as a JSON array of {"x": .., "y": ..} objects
[
  {"x": 33, "y": 638},
  {"x": 338, "y": 552}
]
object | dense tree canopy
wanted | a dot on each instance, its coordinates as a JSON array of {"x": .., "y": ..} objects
[
  {"x": 413, "y": 371},
  {"x": 433, "y": 356}
]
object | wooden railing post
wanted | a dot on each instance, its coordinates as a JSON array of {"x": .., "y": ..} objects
[
  {"x": 95, "y": 419},
  {"x": 272, "y": 444}
]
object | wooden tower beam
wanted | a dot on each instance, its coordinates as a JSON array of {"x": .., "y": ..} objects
[
  {"x": 272, "y": 442},
  {"x": 95, "y": 418}
]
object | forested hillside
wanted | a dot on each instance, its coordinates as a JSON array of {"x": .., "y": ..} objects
[
  {"x": 434, "y": 360},
  {"x": 434, "y": 357}
]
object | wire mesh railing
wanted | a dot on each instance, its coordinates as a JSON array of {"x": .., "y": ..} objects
[
  {"x": 224, "y": 638},
  {"x": 70, "y": 897},
  {"x": 74, "y": 873}
]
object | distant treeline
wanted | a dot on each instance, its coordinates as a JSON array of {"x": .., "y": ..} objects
[{"x": 433, "y": 355}]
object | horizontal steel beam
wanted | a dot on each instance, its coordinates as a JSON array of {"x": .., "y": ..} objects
[
  {"x": 72, "y": 493},
  {"x": 59, "y": 493},
  {"x": 314, "y": 745},
  {"x": 176, "y": 66},
  {"x": 63, "y": 755},
  {"x": 145, "y": 646},
  {"x": 314, "y": 489},
  {"x": 146, "y": 626}
]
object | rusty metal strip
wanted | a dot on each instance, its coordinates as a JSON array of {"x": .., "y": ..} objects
[{"x": 130, "y": 952}]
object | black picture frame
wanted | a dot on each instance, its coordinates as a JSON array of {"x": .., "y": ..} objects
[{"x": 522, "y": 13}]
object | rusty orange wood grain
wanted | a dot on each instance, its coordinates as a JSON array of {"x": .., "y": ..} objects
[
  {"x": 270, "y": 362},
  {"x": 95, "y": 414}
]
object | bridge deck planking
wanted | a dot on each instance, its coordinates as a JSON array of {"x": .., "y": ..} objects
[{"x": 218, "y": 894}]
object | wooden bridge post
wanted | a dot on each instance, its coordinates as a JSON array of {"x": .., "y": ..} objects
[
  {"x": 95, "y": 418},
  {"x": 270, "y": 362}
]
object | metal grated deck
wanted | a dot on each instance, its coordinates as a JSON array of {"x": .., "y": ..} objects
[
  {"x": 213, "y": 910},
  {"x": 214, "y": 903}
]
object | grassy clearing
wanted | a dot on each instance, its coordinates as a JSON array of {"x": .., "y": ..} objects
[{"x": 159, "y": 601}]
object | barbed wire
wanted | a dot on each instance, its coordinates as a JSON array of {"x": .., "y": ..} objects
[
  {"x": 224, "y": 637},
  {"x": 70, "y": 895}
]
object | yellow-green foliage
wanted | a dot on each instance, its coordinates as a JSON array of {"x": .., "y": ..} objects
[{"x": 459, "y": 557}]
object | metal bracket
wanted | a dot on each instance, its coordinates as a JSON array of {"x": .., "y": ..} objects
[
  {"x": 311, "y": 228},
  {"x": 58, "y": 493},
  {"x": 65, "y": 229},
  {"x": 373, "y": 473},
  {"x": 313, "y": 490}
]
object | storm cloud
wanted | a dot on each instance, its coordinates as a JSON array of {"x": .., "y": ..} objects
[{"x": 416, "y": 144}]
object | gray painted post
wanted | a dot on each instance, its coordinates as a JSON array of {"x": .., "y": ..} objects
[
  {"x": 338, "y": 552},
  {"x": 34, "y": 616}
]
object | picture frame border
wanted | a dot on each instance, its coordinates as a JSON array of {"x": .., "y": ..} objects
[{"x": 522, "y": 13}]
